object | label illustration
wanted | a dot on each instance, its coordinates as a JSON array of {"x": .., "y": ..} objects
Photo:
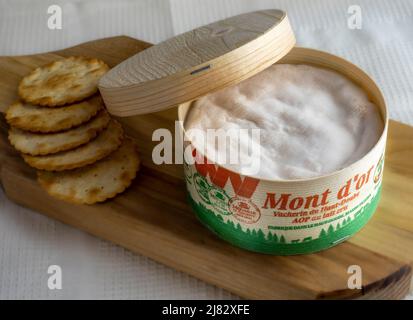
[
  {"x": 202, "y": 187},
  {"x": 219, "y": 199},
  {"x": 244, "y": 210}
]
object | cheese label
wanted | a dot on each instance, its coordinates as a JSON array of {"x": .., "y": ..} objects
[{"x": 286, "y": 217}]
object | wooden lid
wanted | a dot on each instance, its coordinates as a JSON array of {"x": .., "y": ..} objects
[{"x": 197, "y": 62}]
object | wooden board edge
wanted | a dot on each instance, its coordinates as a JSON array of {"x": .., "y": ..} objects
[
  {"x": 82, "y": 46},
  {"x": 393, "y": 287}
]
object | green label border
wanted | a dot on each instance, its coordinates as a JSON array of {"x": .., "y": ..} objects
[{"x": 271, "y": 243}]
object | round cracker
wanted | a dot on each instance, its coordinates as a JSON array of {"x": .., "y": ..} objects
[
  {"x": 105, "y": 143},
  {"x": 95, "y": 183},
  {"x": 61, "y": 82},
  {"x": 42, "y": 144},
  {"x": 41, "y": 119}
]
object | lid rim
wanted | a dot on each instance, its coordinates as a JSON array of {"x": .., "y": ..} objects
[
  {"x": 261, "y": 49},
  {"x": 126, "y": 108},
  {"x": 186, "y": 71},
  {"x": 155, "y": 83}
]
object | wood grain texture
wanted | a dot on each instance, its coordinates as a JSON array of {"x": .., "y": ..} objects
[
  {"x": 193, "y": 48},
  {"x": 153, "y": 218},
  {"x": 200, "y": 61}
]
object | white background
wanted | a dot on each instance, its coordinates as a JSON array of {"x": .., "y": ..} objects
[{"x": 93, "y": 268}]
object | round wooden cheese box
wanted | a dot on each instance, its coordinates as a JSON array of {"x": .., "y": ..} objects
[{"x": 252, "y": 213}]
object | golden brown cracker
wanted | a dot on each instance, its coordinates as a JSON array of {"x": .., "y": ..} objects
[
  {"x": 46, "y": 143},
  {"x": 63, "y": 81},
  {"x": 97, "y": 182},
  {"x": 105, "y": 143},
  {"x": 33, "y": 118}
]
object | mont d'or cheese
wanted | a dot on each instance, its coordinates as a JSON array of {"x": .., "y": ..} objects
[
  {"x": 312, "y": 122},
  {"x": 320, "y": 157}
]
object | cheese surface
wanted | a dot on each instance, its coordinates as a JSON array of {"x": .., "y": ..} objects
[{"x": 311, "y": 122}]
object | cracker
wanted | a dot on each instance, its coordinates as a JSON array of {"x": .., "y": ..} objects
[
  {"x": 97, "y": 182},
  {"x": 42, "y": 119},
  {"x": 105, "y": 143},
  {"x": 62, "y": 82},
  {"x": 42, "y": 144}
]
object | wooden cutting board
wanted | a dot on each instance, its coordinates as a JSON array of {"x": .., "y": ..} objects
[{"x": 153, "y": 218}]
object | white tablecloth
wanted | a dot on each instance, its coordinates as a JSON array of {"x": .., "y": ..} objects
[{"x": 92, "y": 268}]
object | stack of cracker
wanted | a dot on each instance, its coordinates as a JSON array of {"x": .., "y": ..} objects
[{"x": 61, "y": 128}]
